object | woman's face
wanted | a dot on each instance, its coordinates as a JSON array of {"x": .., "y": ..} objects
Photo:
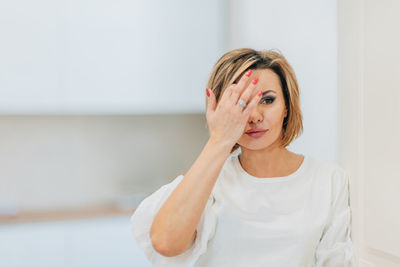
[{"x": 267, "y": 115}]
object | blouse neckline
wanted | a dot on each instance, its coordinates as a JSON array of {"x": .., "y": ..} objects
[{"x": 276, "y": 179}]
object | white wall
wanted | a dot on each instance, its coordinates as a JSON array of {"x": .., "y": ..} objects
[
  {"x": 369, "y": 93},
  {"x": 108, "y": 57},
  {"x": 71, "y": 161},
  {"x": 305, "y": 32}
]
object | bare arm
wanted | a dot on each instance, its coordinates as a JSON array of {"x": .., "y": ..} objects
[{"x": 174, "y": 226}]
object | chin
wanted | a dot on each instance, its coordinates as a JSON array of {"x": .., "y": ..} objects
[
  {"x": 254, "y": 144},
  {"x": 253, "y": 147},
  {"x": 250, "y": 143}
]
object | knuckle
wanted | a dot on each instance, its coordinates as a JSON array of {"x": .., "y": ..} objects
[
  {"x": 236, "y": 89},
  {"x": 230, "y": 88}
]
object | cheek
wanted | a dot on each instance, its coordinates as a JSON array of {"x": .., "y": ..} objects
[{"x": 273, "y": 115}]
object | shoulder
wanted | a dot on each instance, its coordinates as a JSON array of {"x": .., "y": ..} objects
[
  {"x": 332, "y": 175},
  {"x": 230, "y": 167},
  {"x": 228, "y": 174},
  {"x": 327, "y": 167}
]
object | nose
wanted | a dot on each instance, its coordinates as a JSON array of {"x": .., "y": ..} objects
[{"x": 255, "y": 116}]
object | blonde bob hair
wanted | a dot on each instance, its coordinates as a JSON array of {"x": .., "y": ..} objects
[{"x": 233, "y": 64}]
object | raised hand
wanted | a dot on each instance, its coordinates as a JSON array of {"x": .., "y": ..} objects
[{"x": 227, "y": 120}]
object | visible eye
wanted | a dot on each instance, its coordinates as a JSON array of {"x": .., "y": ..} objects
[{"x": 267, "y": 100}]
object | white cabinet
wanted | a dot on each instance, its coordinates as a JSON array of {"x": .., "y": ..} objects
[
  {"x": 100, "y": 242},
  {"x": 107, "y": 57}
]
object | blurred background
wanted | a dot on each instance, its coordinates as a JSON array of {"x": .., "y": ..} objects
[{"x": 103, "y": 102}]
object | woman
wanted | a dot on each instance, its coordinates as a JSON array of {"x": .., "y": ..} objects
[{"x": 262, "y": 205}]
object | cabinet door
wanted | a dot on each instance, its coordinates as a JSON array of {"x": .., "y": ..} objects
[{"x": 108, "y": 56}]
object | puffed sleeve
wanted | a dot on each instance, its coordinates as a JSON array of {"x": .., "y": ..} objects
[
  {"x": 335, "y": 247},
  {"x": 142, "y": 219}
]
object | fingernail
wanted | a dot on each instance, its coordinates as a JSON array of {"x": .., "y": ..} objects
[
  {"x": 255, "y": 81},
  {"x": 208, "y": 93},
  {"x": 260, "y": 93},
  {"x": 249, "y": 73}
]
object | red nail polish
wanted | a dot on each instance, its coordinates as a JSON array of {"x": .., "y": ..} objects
[
  {"x": 260, "y": 93},
  {"x": 208, "y": 93},
  {"x": 255, "y": 81},
  {"x": 249, "y": 73}
]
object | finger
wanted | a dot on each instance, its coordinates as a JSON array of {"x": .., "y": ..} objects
[
  {"x": 240, "y": 87},
  {"x": 253, "y": 103},
  {"x": 246, "y": 95},
  {"x": 227, "y": 93},
  {"x": 211, "y": 101}
]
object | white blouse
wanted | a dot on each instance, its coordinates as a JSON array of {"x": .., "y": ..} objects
[{"x": 303, "y": 219}]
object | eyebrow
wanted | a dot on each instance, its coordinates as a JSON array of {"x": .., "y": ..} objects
[{"x": 266, "y": 92}]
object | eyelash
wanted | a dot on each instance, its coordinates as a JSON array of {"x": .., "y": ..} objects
[{"x": 268, "y": 98}]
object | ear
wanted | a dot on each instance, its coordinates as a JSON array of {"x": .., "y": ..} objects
[{"x": 285, "y": 113}]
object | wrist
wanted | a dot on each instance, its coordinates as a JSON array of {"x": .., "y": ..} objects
[{"x": 223, "y": 147}]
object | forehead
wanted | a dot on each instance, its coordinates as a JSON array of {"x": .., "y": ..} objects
[{"x": 267, "y": 80}]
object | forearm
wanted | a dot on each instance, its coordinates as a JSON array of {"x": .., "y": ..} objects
[{"x": 174, "y": 226}]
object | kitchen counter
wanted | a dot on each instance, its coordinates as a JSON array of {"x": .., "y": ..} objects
[{"x": 70, "y": 214}]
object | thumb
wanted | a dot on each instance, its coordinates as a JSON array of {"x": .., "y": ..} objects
[{"x": 211, "y": 101}]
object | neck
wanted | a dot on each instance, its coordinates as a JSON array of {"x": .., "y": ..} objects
[{"x": 268, "y": 162}]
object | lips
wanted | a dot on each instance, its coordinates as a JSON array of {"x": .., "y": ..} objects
[{"x": 256, "y": 130}]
